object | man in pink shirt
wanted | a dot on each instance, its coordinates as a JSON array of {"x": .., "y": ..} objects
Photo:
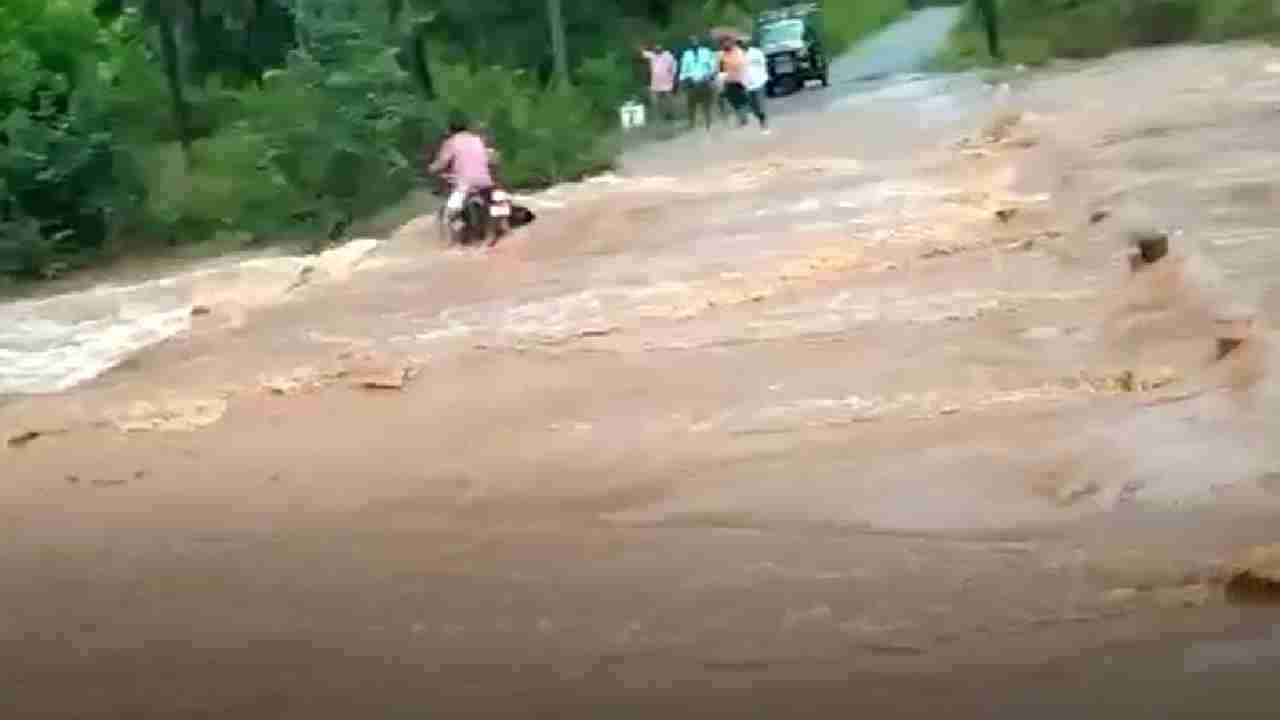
[
  {"x": 662, "y": 78},
  {"x": 466, "y": 159}
]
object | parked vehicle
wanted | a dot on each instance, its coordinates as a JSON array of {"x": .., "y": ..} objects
[{"x": 791, "y": 38}]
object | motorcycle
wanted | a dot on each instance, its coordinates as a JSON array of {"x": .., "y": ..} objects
[
  {"x": 485, "y": 218},
  {"x": 487, "y": 215}
]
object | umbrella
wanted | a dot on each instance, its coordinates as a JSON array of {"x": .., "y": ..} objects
[{"x": 724, "y": 31}]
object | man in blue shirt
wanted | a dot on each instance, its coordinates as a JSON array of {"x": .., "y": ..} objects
[{"x": 697, "y": 79}]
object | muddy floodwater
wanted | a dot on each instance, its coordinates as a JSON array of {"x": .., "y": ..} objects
[{"x": 875, "y": 413}]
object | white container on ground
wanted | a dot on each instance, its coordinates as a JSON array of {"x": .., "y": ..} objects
[{"x": 632, "y": 115}]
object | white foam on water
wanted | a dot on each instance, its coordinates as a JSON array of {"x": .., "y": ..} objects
[
  {"x": 54, "y": 344},
  {"x": 41, "y": 355}
]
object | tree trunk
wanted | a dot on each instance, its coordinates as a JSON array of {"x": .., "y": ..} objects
[
  {"x": 559, "y": 49},
  {"x": 173, "y": 74},
  {"x": 418, "y": 60}
]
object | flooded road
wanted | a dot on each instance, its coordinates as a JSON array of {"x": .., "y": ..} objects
[{"x": 870, "y": 414}]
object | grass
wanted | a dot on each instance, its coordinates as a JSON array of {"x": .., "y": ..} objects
[{"x": 1034, "y": 32}]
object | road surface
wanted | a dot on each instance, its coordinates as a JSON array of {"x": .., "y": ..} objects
[{"x": 904, "y": 47}]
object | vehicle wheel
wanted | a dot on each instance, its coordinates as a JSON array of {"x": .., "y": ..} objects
[
  {"x": 500, "y": 230},
  {"x": 448, "y": 235},
  {"x": 477, "y": 224},
  {"x": 826, "y": 78}
]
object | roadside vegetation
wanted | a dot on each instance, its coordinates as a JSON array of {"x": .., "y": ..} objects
[
  {"x": 847, "y": 22},
  {"x": 191, "y": 126},
  {"x": 1033, "y": 32}
]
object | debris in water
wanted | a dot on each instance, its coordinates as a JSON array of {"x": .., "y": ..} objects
[
  {"x": 937, "y": 252},
  {"x": 300, "y": 380},
  {"x": 1042, "y": 333},
  {"x": 1235, "y": 326},
  {"x": 1001, "y": 126},
  {"x": 375, "y": 371},
  {"x": 178, "y": 416},
  {"x": 23, "y": 439},
  {"x": 1129, "y": 381},
  {"x": 1188, "y": 596},
  {"x": 1024, "y": 245},
  {"x": 1227, "y": 345},
  {"x": 1152, "y": 246},
  {"x": 1074, "y": 492},
  {"x": 1255, "y": 577},
  {"x": 816, "y": 617},
  {"x": 1120, "y": 596},
  {"x": 304, "y": 277}
]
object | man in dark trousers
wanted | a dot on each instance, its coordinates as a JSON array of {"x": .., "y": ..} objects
[{"x": 989, "y": 10}]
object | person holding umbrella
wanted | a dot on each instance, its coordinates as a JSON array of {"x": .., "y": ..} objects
[
  {"x": 729, "y": 99},
  {"x": 733, "y": 65}
]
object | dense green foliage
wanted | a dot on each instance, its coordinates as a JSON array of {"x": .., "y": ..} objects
[
  {"x": 1036, "y": 31},
  {"x": 127, "y": 124}
]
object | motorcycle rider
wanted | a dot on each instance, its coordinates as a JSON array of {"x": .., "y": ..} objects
[{"x": 465, "y": 157}]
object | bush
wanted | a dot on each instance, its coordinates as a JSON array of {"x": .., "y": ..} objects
[
  {"x": 543, "y": 136},
  {"x": 1035, "y": 31},
  {"x": 56, "y": 156},
  {"x": 1157, "y": 22}
]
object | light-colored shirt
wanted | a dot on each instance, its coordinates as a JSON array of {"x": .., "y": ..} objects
[
  {"x": 467, "y": 159},
  {"x": 662, "y": 70},
  {"x": 697, "y": 65},
  {"x": 757, "y": 69},
  {"x": 733, "y": 62}
]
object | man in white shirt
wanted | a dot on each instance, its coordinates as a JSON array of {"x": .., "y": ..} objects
[{"x": 757, "y": 78}]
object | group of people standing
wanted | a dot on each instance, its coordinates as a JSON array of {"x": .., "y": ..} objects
[{"x": 732, "y": 77}]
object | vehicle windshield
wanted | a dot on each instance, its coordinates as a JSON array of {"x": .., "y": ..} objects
[{"x": 786, "y": 32}]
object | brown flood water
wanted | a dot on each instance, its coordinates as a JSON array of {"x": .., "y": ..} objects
[{"x": 853, "y": 416}]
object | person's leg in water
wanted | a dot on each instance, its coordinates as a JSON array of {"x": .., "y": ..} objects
[
  {"x": 665, "y": 102},
  {"x": 755, "y": 98},
  {"x": 705, "y": 93},
  {"x": 991, "y": 23},
  {"x": 737, "y": 96}
]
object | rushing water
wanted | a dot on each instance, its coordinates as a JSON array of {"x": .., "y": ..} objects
[{"x": 53, "y": 344}]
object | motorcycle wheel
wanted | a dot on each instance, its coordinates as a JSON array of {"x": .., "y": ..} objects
[
  {"x": 501, "y": 228},
  {"x": 476, "y": 224}
]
